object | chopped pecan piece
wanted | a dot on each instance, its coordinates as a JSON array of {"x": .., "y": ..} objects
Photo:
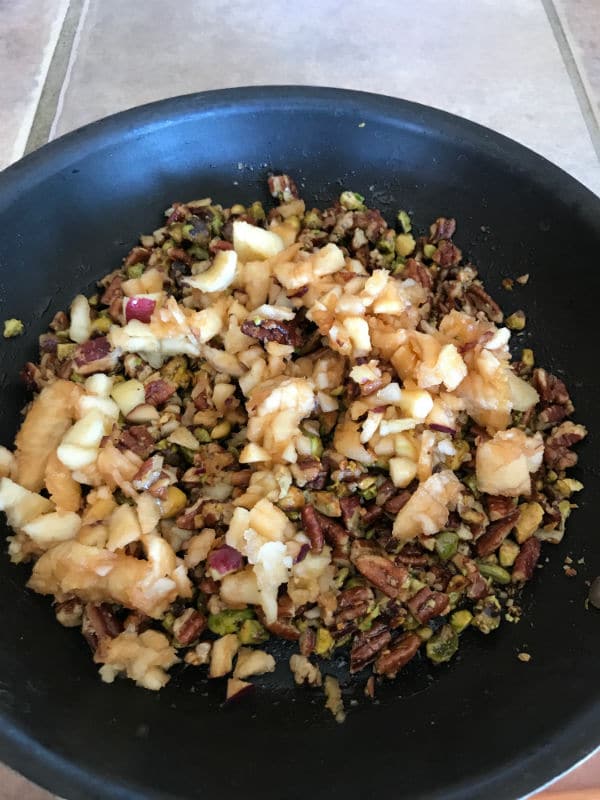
[
  {"x": 447, "y": 254},
  {"x": 283, "y": 188},
  {"x": 427, "y": 604},
  {"x": 188, "y": 627},
  {"x": 393, "y": 658},
  {"x": 396, "y": 503},
  {"x": 388, "y": 577},
  {"x": 557, "y": 452},
  {"x": 312, "y": 528},
  {"x": 273, "y": 330},
  {"x": 367, "y": 645},
  {"x": 138, "y": 439},
  {"x": 350, "y": 507},
  {"x": 526, "y": 560},
  {"x": 549, "y": 417},
  {"x": 418, "y": 272},
  {"x": 552, "y": 390},
  {"x": 137, "y": 255},
  {"x": 481, "y": 300},
  {"x": 411, "y": 555},
  {"x": 307, "y": 641},
  {"x": 495, "y": 534},
  {"x": 354, "y": 603},
  {"x": 158, "y": 392},
  {"x": 99, "y": 623},
  {"x": 94, "y": 355},
  {"x": 442, "y": 228},
  {"x": 498, "y": 506}
]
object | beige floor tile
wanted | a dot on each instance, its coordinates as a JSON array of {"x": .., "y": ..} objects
[
  {"x": 581, "y": 20},
  {"x": 15, "y": 787},
  {"x": 494, "y": 61},
  {"x": 28, "y": 33}
]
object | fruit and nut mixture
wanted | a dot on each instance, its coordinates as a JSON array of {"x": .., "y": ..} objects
[{"x": 294, "y": 423}]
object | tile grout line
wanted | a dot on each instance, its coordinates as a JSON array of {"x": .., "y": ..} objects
[
  {"x": 52, "y": 94},
  {"x": 72, "y": 56},
  {"x": 578, "y": 82},
  {"x": 20, "y": 144}
]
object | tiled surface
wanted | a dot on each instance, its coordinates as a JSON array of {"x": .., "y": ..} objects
[
  {"x": 493, "y": 61},
  {"x": 581, "y": 20},
  {"x": 28, "y": 33}
]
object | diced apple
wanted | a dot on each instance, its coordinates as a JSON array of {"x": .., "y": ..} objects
[
  {"x": 253, "y": 662},
  {"x": 52, "y": 528},
  {"x": 99, "y": 384},
  {"x": 128, "y": 394},
  {"x": 255, "y": 244},
  {"x": 522, "y": 394},
  {"x": 222, "y": 653},
  {"x": 21, "y": 505},
  {"x": 8, "y": 463},
  {"x": 143, "y": 414},
  {"x": 240, "y": 588},
  {"x": 183, "y": 437},
  {"x": 237, "y": 688},
  {"x": 81, "y": 323},
  {"x": 87, "y": 432},
  {"x": 402, "y": 471},
  {"x": 252, "y": 453},
  {"x": 219, "y": 275},
  {"x": 416, "y": 403},
  {"x": 123, "y": 527},
  {"x": 106, "y": 406}
]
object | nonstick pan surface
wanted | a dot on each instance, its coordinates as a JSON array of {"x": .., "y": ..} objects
[{"x": 486, "y": 725}]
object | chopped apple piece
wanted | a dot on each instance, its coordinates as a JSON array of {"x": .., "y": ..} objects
[
  {"x": 252, "y": 243},
  {"x": 49, "y": 529},
  {"x": 20, "y": 505}
]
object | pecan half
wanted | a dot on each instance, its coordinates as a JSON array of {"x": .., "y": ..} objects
[
  {"x": 427, "y": 604},
  {"x": 388, "y": 577},
  {"x": 526, "y": 560},
  {"x": 367, "y": 645},
  {"x": 495, "y": 534},
  {"x": 392, "y": 659},
  {"x": 354, "y": 603},
  {"x": 312, "y": 528}
]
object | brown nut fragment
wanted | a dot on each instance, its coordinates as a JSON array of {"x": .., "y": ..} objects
[
  {"x": 442, "y": 228},
  {"x": 481, "y": 301},
  {"x": 392, "y": 659},
  {"x": 312, "y": 528},
  {"x": 367, "y": 645},
  {"x": 354, "y": 603},
  {"x": 526, "y": 561},
  {"x": 99, "y": 623},
  {"x": 498, "y": 507},
  {"x": 396, "y": 503},
  {"x": 557, "y": 452},
  {"x": 307, "y": 641},
  {"x": 418, "y": 272},
  {"x": 388, "y": 577},
  {"x": 495, "y": 534},
  {"x": 273, "y": 330},
  {"x": 551, "y": 389},
  {"x": 427, "y": 604},
  {"x": 188, "y": 627},
  {"x": 69, "y": 613}
]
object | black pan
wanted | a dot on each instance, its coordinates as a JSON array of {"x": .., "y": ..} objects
[{"x": 484, "y": 726}]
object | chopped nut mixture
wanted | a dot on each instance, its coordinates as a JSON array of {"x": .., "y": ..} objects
[{"x": 290, "y": 423}]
